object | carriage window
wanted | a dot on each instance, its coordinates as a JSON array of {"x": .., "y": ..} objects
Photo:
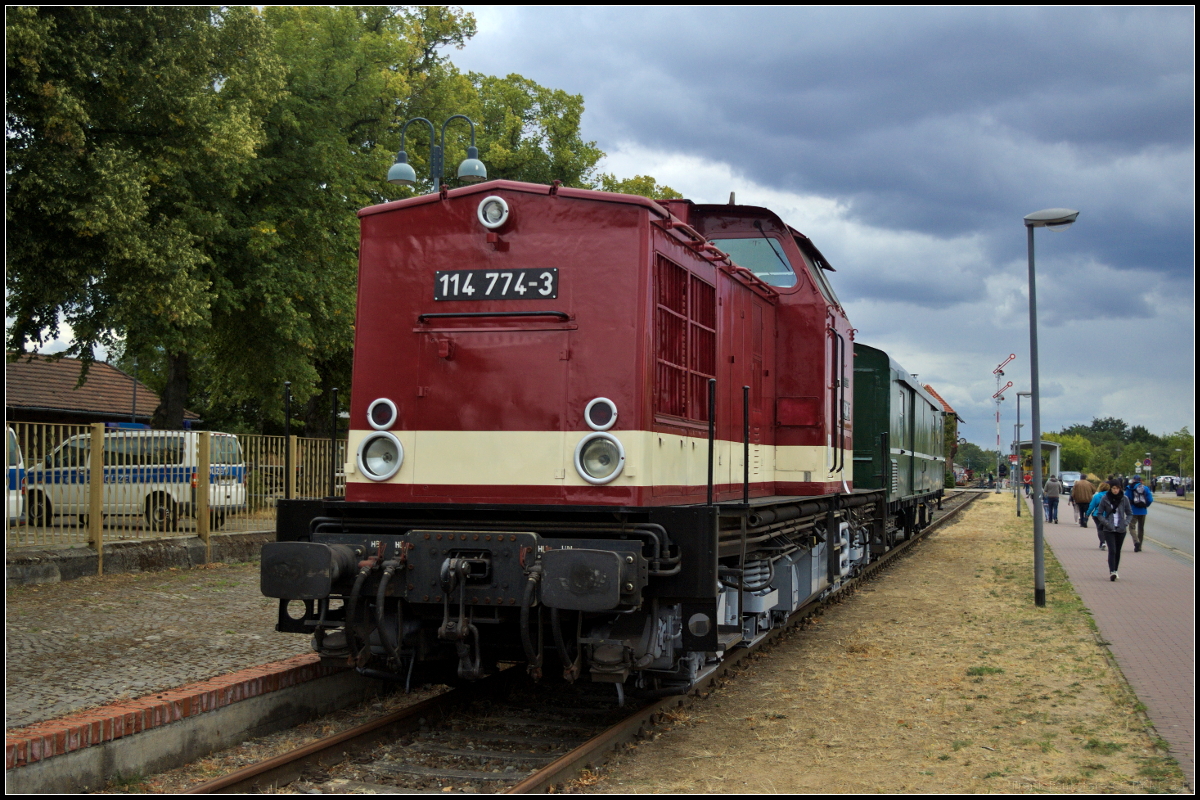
[{"x": 763, "y": 256}]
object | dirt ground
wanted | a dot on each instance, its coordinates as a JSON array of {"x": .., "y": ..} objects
[{"x": 938, "y": 676}]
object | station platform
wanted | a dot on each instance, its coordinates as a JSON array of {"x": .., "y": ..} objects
[{"x": 1148, "y": 619}]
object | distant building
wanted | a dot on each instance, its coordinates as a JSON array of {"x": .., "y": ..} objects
[
  {"x": 41, "y": 389},
  {"x": 952, "y": 420}
]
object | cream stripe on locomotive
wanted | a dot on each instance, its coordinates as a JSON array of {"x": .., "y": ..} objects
[{"x": 535, "y": 458}]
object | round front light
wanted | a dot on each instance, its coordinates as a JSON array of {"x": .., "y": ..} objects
[
  {"x": 380, "y": 456},
  {"x": 600, "y": 414},
  {"x": 599, "y": 458},
  {"x": 381, "y": 414},
  {"x": 493, "y": 212}
]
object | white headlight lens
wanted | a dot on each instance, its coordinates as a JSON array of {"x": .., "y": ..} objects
[
  {"x": 599, "y": 458},
  {"x": 380, "y": 456},
  {"x": 493, "y": 212}
]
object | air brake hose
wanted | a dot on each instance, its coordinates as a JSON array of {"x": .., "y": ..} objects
[
  {"x": 571, "y": 666},
  {"x": 352, "y": 611},
  {"x": 532, "y": 656},
  {"x": 392, "y": 645}
]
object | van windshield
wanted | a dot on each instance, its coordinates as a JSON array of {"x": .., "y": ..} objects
[
  {"x": 13, "y": 459},
  {"x": 226, "y": 450}
]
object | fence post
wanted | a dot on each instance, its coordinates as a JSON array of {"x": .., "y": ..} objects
[
  {"x": 96, "y": 494},
  {"x": 333, "y": 426},
  {"x": 203, "y": 484},
  {"x": 293, "y": 448}
]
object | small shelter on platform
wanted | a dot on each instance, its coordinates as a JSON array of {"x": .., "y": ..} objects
[{"x": 1052, "y": 451}]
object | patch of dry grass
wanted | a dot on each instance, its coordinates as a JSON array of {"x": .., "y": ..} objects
[{"x": 939, "y": 676}]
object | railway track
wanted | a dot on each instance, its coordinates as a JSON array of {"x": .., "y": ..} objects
[{"x": 502, "y": 734}]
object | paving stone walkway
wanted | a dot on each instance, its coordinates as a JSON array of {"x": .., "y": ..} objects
[
  {"x": 1148, "y": 618},
  {"x": 73, "y": 645}
]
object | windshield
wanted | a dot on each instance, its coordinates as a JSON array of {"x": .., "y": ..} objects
[
  {"x": 226, "y": 450},
  {"x": 763, "y": 256}
]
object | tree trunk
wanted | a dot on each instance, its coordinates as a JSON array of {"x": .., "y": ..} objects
[{"x": 169, "y": 414}]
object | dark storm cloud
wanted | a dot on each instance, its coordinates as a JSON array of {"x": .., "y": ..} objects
[{"x": 940, "y": 121}]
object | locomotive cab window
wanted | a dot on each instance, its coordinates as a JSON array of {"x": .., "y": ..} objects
[{"x": 763, "y": 256}]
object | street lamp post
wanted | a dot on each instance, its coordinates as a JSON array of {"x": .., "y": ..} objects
[
  {"x": 1054, "y": 219},
  {"x": 471, "y": 170}
]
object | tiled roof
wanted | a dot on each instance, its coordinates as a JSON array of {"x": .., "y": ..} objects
[
  {"x": 942, "y": 400},
  {"x": 37, "y": 382}
]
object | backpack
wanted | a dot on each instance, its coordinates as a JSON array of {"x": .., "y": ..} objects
[{"x": 1139, "y": 497}]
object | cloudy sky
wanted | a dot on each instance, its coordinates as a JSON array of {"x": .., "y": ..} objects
[{"x": 909, "y": 144}]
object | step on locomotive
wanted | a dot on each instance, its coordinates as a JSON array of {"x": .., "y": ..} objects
[{"x": 599, "y": 435}]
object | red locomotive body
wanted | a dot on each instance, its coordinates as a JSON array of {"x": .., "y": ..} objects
[
  {"x": 532, "y": 430},
  {"x": 490, "y": 343}
]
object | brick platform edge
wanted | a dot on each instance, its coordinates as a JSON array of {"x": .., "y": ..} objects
[{"x": 96, "y": 726}]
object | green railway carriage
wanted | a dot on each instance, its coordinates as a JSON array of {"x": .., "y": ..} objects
[{"x": 898, "y": 433}]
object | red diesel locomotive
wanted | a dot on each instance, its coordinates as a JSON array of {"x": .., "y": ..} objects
[{"x": 582, "y": 423}]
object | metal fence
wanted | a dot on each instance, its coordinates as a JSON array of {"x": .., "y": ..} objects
[{"x": 151, "y": 480}]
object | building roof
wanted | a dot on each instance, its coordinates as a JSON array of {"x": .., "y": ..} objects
[
  {"x": 942, "y": 400},
  {"x": 40, "y": 383}
]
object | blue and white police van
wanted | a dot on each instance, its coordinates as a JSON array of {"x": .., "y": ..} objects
[
  {"x": 16, "y": 481},
  {"x": 146, "y": 472}
]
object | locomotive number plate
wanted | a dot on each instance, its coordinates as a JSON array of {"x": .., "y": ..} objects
[{"x": 484, "y": 284}]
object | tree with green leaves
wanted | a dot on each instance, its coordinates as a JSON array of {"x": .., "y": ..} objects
[
  {"x": 184, "y": 182},
  {"x": 642, "y": 185},
  {"x": 131, "y": 133}
]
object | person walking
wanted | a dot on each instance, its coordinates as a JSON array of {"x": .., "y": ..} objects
[
  {"x": 1094, "y": 509},
  {"x": 1113, "y": 518},
  {"x": 1140, "y": 497},
  {"x": 1051, "y": 492},
  {"x": 1081, "y": 497}
]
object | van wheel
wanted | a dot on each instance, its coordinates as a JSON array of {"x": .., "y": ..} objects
[
  {"x": 160, "y": 513},
  {"x": 38, "y": 511},
  {"x": 216, "y": 520}
]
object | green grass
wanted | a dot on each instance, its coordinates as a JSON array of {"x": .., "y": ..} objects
[
  {"x": 1103, "y": 748},
  {"x": 972, "y": 671}
]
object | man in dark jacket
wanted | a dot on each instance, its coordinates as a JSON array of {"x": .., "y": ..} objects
[
  {"x": 1081, "y": 496},
  {"x": 1140, "y": 498},
  {"x": 1050, "y": 494}
]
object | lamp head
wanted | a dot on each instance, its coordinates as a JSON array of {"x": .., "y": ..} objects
[
  {"x": 1056, "y": 219},
  {"x": 472, "y": 170},
  {"x": 402, "y": 173}
]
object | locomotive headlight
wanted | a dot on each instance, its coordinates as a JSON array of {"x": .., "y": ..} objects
[
  {"x": 493, "y": 212},
  {"x": 381, "y": 414},
  {"x": 380, "y": 456},
  {"x": 599, "y": 458}
]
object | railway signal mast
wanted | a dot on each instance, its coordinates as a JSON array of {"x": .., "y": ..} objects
[{"x": 999, "y": 398}]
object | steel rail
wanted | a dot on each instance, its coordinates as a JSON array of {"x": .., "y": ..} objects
[
  {"x": 288, "y": 767},
  {"x": 285, "y": 768}
]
